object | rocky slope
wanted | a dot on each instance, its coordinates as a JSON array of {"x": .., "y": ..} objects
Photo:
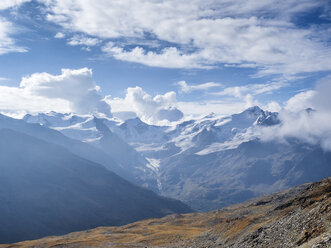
[{"x": 298, "y": 217}]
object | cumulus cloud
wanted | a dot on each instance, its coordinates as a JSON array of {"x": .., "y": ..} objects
[
  {"x": 203, "y": 34},
  {"x": 272, "y": 106},
  {"x": 300, "y": 101},
  {"x": 310, "y": 125},
  {"x": 71, "y": 91},
  {"x": 150, "y": 109},
  {"x": 186, "y": 88}
]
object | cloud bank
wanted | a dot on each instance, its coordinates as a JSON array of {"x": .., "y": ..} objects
[
  {"x": 153, "y": 110},
  {"x": 71, "y": 91},
  {"x": 203, "y": 34},
  {"x": 310, "y": 125}
]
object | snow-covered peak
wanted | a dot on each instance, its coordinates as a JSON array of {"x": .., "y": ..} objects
[
  {"x": 81, "y": 127},
  {"x": 196, "y": 135},
  {"x": 221, "y": 132},
  {"x": 53, "y": 119},
  {"x": 137, "y": 131}
]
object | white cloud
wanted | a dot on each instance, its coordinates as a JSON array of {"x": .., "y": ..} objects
[
  {"x": 312, "y": 126},
  {"x": 14, "y": 100},
  {"x": 300, "y": 101},
  {"x": 5, "y": 4},
  {"x": 150, "y": 109},
  {"x": 252, "y": 89},
  {"x": 272, "y": 106},
  {"x": 72, "y": 91},
  {"x": 83, "y": 40},
  {"x": 8, "y": 29},
  {"x": 59, "y": 35},
  {"x": 202, "y": 33},
  {"x": 169, "y": 57},
  {"x": 318, "y": 99},
  {"x": 186, "y": 88},
  {"x": 7, "y": 43}
]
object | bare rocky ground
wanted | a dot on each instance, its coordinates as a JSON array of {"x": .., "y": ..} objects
[{"x": 298, "y": 217}]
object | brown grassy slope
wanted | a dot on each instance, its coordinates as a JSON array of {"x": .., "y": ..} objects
[{"x": 299, "y": 217}]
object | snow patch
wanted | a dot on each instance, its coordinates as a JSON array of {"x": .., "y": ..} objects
[{"x": 153, "y": 164}]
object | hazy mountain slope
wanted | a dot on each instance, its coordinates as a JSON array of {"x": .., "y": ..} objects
[
  {"x": 96, "y": 132},
  {"x": 299, "y": 217},
  {"x": 218, "y": 179},
  {"x": 75, "y": 146},
  {"x": 46, "y": 190},
  {"x": 125, "y": 155}
]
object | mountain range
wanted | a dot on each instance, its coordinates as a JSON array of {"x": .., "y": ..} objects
[{"x": 207, "y": 163}]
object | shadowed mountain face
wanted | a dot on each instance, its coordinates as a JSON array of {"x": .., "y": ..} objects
[
  {"x": 298, "y": 217},
  {"x": 75, "y": 146},
  {"x": 47, "y": 190}
]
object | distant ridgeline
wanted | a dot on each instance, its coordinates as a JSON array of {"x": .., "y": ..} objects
[{"x": 207, "y": 163}]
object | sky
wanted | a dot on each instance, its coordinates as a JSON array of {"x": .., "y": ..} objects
[{"x": 163, "y": 60}]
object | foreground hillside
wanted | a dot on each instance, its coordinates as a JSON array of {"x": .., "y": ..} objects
[{"x": 299, "y": 217}]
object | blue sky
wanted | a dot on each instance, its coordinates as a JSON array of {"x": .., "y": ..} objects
[{"x": 193, "y": 56}]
